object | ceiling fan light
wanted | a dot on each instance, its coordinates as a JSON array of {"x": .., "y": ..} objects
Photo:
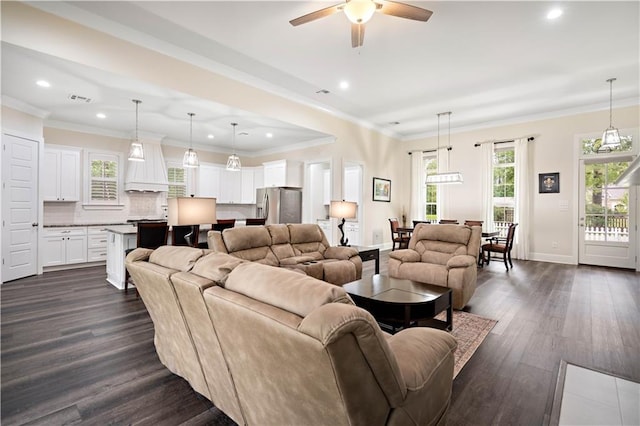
[
  {"x": 233, "y": 163},
  {"x": 359, "y": 11}
]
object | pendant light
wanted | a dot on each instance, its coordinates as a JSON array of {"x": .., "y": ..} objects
[
  {"x": 190, "y": 158},
  {"x": 448, "y": 176},
  {"x": 610, "y": 137},
  {"x": 136, "y": 152},
  {"x": 233, "y": 163}
]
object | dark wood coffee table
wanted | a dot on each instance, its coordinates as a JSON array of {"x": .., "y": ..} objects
[{"x": 402, "y": 303}]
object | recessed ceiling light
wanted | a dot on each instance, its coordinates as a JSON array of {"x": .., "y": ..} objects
[
  {"x": 344, "y": 85},
  {"x": 101, "y": 115},
  {"x": 554, "y": 13},
  {"x": 43, "y": 83},
  {"x": 269, "y": 135},
  {"x": 210, "y": 136}
]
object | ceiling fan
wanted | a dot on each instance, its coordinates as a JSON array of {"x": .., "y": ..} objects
[{"x": 360, "y": 11}]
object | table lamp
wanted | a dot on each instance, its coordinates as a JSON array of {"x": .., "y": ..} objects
[
  {"x": 191, "y": 211},
  {"x": 345, "y": 210}
]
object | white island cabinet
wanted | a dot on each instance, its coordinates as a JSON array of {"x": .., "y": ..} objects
[{"x": 119, "y": 239}]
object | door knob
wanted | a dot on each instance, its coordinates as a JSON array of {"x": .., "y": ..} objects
[{"x": 34, "y": 224}]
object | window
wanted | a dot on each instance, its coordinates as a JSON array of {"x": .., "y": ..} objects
[
  {"x": 503, "y": 186},
  {"x": 430, "y": 163},
  {"x": 103, "y": 182},
  {"x": 177, "y": 177}
]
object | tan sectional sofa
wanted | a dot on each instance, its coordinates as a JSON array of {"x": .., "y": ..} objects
[
  {"x": 295, "y": 246},
  {"x": 268, "y": 345},
  {"x": 444, "y": 255}
]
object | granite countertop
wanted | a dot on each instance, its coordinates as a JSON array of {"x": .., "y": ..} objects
[
  {"x": 122, "y": 229},
  {"x": 71, "y": 225}
]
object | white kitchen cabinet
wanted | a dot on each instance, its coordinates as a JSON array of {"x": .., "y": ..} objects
[
  {"x": 61, "y": 171},
  {"x": 96, "y": 244},
  {"x": 230, "y": 187},
  {"x": 248, "y": 186},
  {"x": 325, "y": 225},
  {"x": 64, "y": 246},
  {"x": 326, "y": 187},
  {"x": 352, "y": 232},
  {"x": 208, "y": 181},
  {"x": 352, "y": 182},
  {"x": 283, "y": 173}
]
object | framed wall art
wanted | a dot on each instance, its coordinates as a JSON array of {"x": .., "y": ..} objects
[
  {"x": 381, "y": 189},
  {"x": 548, "y": 183}
]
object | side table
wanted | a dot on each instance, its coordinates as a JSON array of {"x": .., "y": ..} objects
[{"x": 369, "y": 253}]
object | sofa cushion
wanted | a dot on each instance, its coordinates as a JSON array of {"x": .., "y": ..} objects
[
  {"x": 180, "y": 258},
  {"x": 216, "y": 266},
  {"x": 280, "y": 244},
  {"x": 250, "y": 243},
  {"x": 285, "y": 289},
  {"x": 447, "y": 233},
  {"x": 308, "y": 238}
]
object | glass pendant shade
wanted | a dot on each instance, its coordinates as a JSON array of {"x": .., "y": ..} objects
[
  {"x": 444, "y": 177},
  {"x": 190, "y": 159},
  {"x": 136, "y": 150},
  {"x": 233, "y": 162},
  {"x": 441, "y": 178},
  {"x": 611, "y": 136},
  {"x": 359, "y": 11}
]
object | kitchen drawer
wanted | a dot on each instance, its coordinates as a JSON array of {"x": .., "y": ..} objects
[
  {"x": 97, "y": 241},
  {"x": 97, "y": 254},
  {"x": 65, "y": 231}
]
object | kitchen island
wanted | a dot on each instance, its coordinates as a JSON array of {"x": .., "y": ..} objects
[
  {"x": 119, "y": 239},
  {"x": 124, "y": 237}
]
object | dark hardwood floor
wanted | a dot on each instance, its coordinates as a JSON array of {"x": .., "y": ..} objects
[{"x": 76, "y": 350}]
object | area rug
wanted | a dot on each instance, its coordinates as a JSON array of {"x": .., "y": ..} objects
[{"x": 470, "y": 330}]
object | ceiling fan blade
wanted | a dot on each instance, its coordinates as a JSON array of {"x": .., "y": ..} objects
[
  {"x": 327, "y": 11},
  {"x": 406, "y": 11},
  {"x": 357, "y": 35}
]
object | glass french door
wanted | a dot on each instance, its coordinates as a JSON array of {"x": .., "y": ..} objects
[{"x": 607, "y": 214}]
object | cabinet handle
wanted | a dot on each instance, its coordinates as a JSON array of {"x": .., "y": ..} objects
[{"x": 34, "y": 224}]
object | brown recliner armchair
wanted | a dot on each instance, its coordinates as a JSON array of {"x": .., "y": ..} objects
[{"x": 444, "y": 255}]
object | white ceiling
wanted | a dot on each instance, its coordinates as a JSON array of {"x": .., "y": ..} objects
[{"x": 487, "y": 62}]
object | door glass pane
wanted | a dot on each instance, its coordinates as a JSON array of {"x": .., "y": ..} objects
[{"x": 606, "y": 205}]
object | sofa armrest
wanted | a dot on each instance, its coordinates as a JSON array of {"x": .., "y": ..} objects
[
  {"x": 420, "y": 352},
  {"x": 340, "y": 253},
  {"x": 405, "y": 255},
  {"x": 139, "y": 254},
  {"x": 461, "y": 261}
]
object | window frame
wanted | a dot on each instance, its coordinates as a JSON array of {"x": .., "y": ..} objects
[
  {"x": 503, "y": 203},
  {"x": 430, "y": 156},
  {"x": 90, "y": 156},
  {"x": 174, "y": 164}
]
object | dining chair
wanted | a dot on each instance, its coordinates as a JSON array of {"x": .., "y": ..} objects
[
  {"x": 150, "y": 235},
  {"x": 416, "y": 222},
  {"x": 223, "y": 224},
  {"x": 473, "y": 222},
  {"x": 448, "y": 221},
  {"x": 500, "y": 245},
  {"x": 255, "y": 221},
  {"x": 179, "y": 235},
  {"x": 398, "y": 237}
]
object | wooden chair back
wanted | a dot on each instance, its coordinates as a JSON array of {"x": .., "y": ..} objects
[
  {"x": 448, "y": 221},
  {"x": 255, "y": 221},
  {"x": 473, "y": 222},
  {"x": 416, "y": 222},
  {"x": 152, "y": 235},
  {"x": 223, "y": 224}
]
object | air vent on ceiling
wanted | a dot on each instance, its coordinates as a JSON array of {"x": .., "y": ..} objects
[
  {"x": 78, "y": 98},
  {"x": 323, "y": 92}
]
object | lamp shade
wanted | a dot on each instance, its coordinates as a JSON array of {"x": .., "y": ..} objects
[
  {"x": 191, "y": 211},
  {"x": 343, "y": 209}
]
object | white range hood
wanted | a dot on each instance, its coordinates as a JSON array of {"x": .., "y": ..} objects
[{"x": 149, "y": 175}]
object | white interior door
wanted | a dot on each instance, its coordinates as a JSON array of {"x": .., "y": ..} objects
[
  {"x": 19, "y": 207},
  {"x": 608, "y": 215}
]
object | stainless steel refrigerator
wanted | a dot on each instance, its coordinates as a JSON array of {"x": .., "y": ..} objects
[{"x": 279, "y": 205}]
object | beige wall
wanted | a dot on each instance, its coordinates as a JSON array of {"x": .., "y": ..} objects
[{"x": 380, "y": 155}]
